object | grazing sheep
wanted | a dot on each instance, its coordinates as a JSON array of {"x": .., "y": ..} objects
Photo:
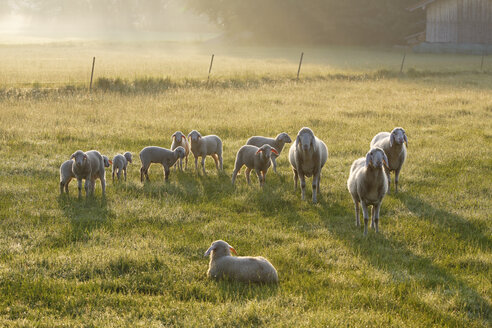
[
  {"x": 367, "y": 183},
  {"x": 107, "y": 161},
  {"x": 180, "y": 140},
  {"x": 120, "y": 162},
  {"x": 244, "y": 268},
  {"x": 203, "y": 146},
  {"x": 254, "y": 158},
  {"x": 396, "y": 151},
  {"x": 278, "y": 143},
  {"x": 159, "y": 155},
  {"x": 88, "y": 166},
  {"x": 66, "y": 175},
  {"x": 307, "y": 155}
]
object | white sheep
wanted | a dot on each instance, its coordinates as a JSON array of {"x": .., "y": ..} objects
[
  {"x": 88, "y": 166},
  {"x": 203, "y": 146},
  {"x": 244, "y": 268},
  {"x": 66, "y": 175},
  {"x": 307, "y": 155},
  {"x": 254, "y": 158},
  {"x": 278, "y": 143},
  {"x": 367, "y": 183},
  {"x": 395, "y": 146},
  {"x": 120, "y": 163},
  {"x": 166, "y": 157},
  {"x": 180, "y": 140}
]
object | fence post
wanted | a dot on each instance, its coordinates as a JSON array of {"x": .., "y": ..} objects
[
  {"x": 92, "y": 73},
  {"x": 403, "y": 60},
  {"x": 300, "y": 63},
  {"x": 210, "y": 68}
]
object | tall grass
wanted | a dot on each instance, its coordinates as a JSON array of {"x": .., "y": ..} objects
[{"x": 136, "y": 258}]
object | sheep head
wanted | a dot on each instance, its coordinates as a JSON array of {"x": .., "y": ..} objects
[
  {"x": 80, "y": 157},
  {"x": 194, "y": 135},
  {"x": 128, "y": 156},
  {"x": 178, "y": 136},
  {"x": 283, "y": 137},
  {"x": 267, "y": 150},
  {"x": 376, "y": 158},
  {"x": 180, "y": 151},
  {"x": 398, "y": 136},
  {"x": 220, "y": 248},
  {"x": 305, "y": 139}
]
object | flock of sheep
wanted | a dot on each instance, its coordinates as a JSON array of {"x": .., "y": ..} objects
[{"x": 369, "y": 180}]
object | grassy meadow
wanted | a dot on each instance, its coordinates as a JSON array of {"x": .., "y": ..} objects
[{"x": 136, "y": 259}]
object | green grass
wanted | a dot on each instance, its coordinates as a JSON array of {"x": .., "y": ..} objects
[{"x": 136, "y": 258}]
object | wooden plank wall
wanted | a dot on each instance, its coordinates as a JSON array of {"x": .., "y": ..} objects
[{"x": 459, "y": 21}]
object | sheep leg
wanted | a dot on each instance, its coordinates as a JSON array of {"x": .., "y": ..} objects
[
  {"x": 166, "y": 173},
  {"x": 66, "y": 187},
  {"x": 260, "y": 177},
  {"x": 141, "y": 174},
  {"x": 112, "y": 173},
  {"x": 196, "y": 164},
  {"x": 315, "y": 187},
  {"x": 388, "y": 175},
  {"x": 203, "y": 165},
  {"x": 296, "y": 177},
  {"x": 234, "y": 174},
  {"x": 79, "y": 186},
  {"x": 103, "y": 186},
  {"x": 375, "y": 215},
  {"x": 216, "y": 159},
  {"x": 221, "y": 162},
  {"x": 372, "y": 216},
  {"x": 124, "y": 172},
  {"x": 181, "y": 164},
  {"x": 264, "y": 177},
  {"x": 87, "y": 186},
  {"x": 119, "y": 174},
  {"x": 186, "y": 162},
  {"x": 302, "y": 178},
  {"x": 274, "y": 164},
  {"x": 366, "y": 216},
  {"x": 93, "y": 185},
  {"x": 62, "y": 185},
  {"x": 248, "y": 171},
  {"x": 397, "y": 174},
  {"x": 357, "y": 213}
]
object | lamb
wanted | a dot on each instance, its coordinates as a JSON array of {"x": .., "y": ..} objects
[
  {"x": 66, "y": 175},
  {"x": 307, "y": 156},
  {"x": 278, "y": 143},
  {"x": 88, "y": 166},
  {"x": 120, "y": 162},
  {"x": 180, "y": 140},
  {"x": 244, "y": 268},
  {"x": 367, "y": 183},
  {"x": 166, "y": 157},
  {"x": 254, "y": 158},
  {"x": 396, "y": 151},
  {"x": 203, "y": 146}
]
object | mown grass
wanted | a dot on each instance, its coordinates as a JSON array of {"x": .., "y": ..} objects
[{"x": 136, "y": 258}]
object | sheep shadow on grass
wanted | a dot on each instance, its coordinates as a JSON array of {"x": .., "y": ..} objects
[
  {"x": 393, "y": 256},
  {"x": 241, "y": 291},
  {"x": 85, "y": 216}
]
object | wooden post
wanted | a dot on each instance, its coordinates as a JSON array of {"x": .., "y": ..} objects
[
  {"x": 92, "y": 73},
  {"x": 210, "y": 68},
  {"x": 403, "y": 60},
  {"x": 300, "y": 63}
]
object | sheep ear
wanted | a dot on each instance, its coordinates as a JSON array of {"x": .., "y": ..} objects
[
  {"x": 274, "y": 151},
  {"x": 183, "y": 137},
  {"x": 111, "y": 162},
  {"x": 209, "y": 250},
  {"x": 392, "y": 139},
  {"x": 298, "y": 140},
  {"x": 85, "y": 157},
  {"x": 233, "y": 250},
  {"x": 385, "y": 160},
  {"x": 174, "y": 135},
  {"x": 73, "y": 156},
  {"x": 406, "y": 140},
  {"x": 259, "y": 151},
  {"x": 368, "y": 159}
]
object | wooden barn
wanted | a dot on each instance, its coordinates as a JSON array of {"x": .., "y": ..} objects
[{"x": 457, "y": 22}]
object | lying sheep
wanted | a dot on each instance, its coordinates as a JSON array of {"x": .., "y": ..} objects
[
  {"x": 159, "y": 155},
  {"x": 88, "y": 166},
  {"x": 66, "y": 175},
  {"x": 254, "y": 158},
  {"x": 278, "y": 143},
  {"x": 307, "y": 155},
  {"x": 244, "y": 268},
  {"x": 203, "y": 146},
  {"x": 367, "y": 183},
  {"x": 120, "y": 162},
  {"x": 180, "y": 140},
  {"x": 396, "y": 151}
]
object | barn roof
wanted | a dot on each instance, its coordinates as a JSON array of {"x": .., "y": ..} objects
[{"x": 420, "y": 4}]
